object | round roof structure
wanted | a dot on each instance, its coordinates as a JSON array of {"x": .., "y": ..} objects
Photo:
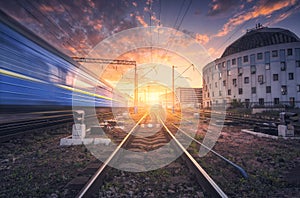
[{"x": 260, "y": 37}]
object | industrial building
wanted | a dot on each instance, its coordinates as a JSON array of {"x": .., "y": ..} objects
[{"x": 258, "y": 69}]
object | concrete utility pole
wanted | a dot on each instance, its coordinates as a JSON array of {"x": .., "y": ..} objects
[
  {"x": 173, "y": 94},
  {"x": 135, "y": 90}
]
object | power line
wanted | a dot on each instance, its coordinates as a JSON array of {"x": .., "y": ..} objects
[
  {"x": 171, "y": 38},
  {"x": 54, "y": 24},
  {"x": 36, "y": 18}
]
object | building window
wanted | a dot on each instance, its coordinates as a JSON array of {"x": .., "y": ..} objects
[
  {"x": 229, "y": 92},
  {"x": 245, "y": 59},
  {"x": 247, "y": 103},
  {"x": 233, "y": 61},
  {"x": 282, "y": 66},
  {"x": 246, "y": 80},
  {"x": 253, "y": 69},
  {"x": 275, "y": 77},
  {"x": 292, "y": 101},
  {"x": 259, "y": 56},
  {"x": 228, "y": 72},
  {"x": 260, "y": 79},
  {"x": 298, "y": 88},
  {"x": 216, "y": 84},
  {"x": 223, "y": 64},
  {"x": 297, "y": 63},
  {"x": 267, "y": 66},
  {"x": 276, "y": 101},
  {"x": 291, "y": 76},
  {"x": 213, "y": 94},
  {"x": 283, "y": 90},
  {"x": 261, "y": 101},
  {"x": 210, "y": 86},
  {"x": 224, "y": 82},
  {"x": 234, "y": 81},
  {"x": 253, "y": 90},
  {"x": 240, "y": 71},
  {"x": 240, "y": 91},
  {"x": 275, "y": 53},
  {"x": 220, "y": 93},
  {"x": 290, "y": 52},
  {"x": 268, "y": 89}
]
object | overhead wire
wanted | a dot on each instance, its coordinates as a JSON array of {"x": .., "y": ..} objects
[
  {"x": 36, "y": 18},
  {"x": 54, "y": 23}
]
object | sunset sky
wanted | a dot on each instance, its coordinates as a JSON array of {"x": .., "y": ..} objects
[{"x": 76, "y": 27}]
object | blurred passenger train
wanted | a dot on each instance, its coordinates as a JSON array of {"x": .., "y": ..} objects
[{"x": 35, "y": 75}]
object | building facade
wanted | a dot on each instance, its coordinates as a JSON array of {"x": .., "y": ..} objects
[
  {"x": 188, "y": 96},
  {"x": 262, "y": 68}
]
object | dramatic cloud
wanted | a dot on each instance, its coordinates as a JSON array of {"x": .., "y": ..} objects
[
  {"x": 265, "y": 8},
  {"x": 74, "y": 27},
  {"x": 218, "y": 7},
  {"x": 141, "y": 20},
  {"x": 282, "y": 16},
  {"x": 201, "y": 38}
]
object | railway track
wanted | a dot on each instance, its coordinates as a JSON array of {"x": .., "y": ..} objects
[
  {"x": 24, "y": 123},
  {"x": 136, "y": 152}
]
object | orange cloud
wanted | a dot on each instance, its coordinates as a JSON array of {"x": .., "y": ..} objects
[
  {"x": 264, "y": 9},
  {"x": 201, "y": 38},
  {"x": 141, "y": 20},
  {"x": 211, "y": 51},
  {"x": 134, "y": 4}
]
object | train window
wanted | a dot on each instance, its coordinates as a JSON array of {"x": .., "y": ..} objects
[
  {"x": 53, "y": 73},
  {"x": 69, "y": 79}
]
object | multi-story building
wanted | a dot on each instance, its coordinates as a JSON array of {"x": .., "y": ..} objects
[
  {"x": 260, "y": 68},
  {"x": 188, "y": 96}
]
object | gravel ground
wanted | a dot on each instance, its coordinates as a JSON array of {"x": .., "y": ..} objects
[
  {"x": 36, "y": 166},
  {"x": 173, "y": 180},
  {"x": 273, "y": 166}
]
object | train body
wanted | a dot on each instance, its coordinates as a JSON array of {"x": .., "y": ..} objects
[{"x": 33, "y": 74}]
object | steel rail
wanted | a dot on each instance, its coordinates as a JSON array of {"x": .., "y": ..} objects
[
  {"x": 202, "y": 177},
  {"x": 240, "y": 169},
  {"x": 95, "y": 181}
]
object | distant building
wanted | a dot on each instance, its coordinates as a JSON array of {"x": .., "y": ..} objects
[
  {"x": 258, "y": 69},
  {"x": 188, "y": 96}
]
